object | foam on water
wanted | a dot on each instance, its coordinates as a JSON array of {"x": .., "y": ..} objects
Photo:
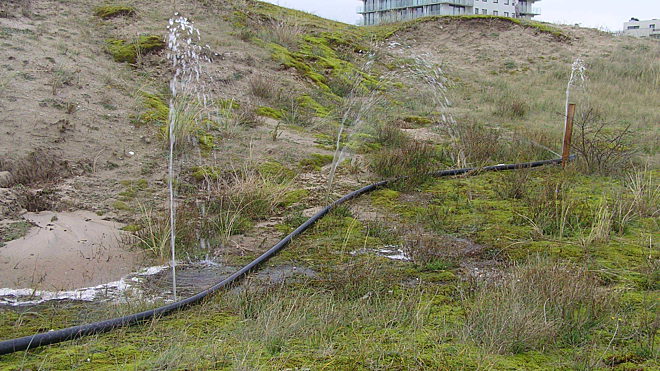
[{"x": 110, "y": 291}]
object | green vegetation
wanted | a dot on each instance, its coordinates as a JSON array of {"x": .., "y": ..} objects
[
  {"x": 112, "y": 11},
  {"x": 273, "y": 113},
  {"x": 128, "y": 51},
  {"x": 542, "y": 268},
  {"x": 13, "y": 231},
  {"x": 316, "y": 161}
]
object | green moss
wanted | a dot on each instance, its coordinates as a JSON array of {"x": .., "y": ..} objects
[
  {"x": 308, "y": 102},
  {"x": 417, "y": 121},
  {"x": 438, "y": 276},
  {"x": 273, "y": 113},
  {"x": 132, "y": 228},
  {"x": 294, "y": 197},
  {"x": 13, "y": 231},
  {"x": 276, "y": 171},
  {"x": 123, "y": 51},
  {"x": 385, "y": 198},
  {"x": 316, "y": 161},
  {"x": 111, "y": 11},
  {"x": 121, "y": 205},
  {"x": 157, "y": 109},
  {"x": 206, "y": 141},
  {"x": 201, "y": 173}
]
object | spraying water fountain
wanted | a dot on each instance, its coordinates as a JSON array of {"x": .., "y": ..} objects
[
  {"x": 437, "y": 81},
  {"x": 356, "y": 107},
  {"x": 187, "y": 104},
  {"x": 578, "y": 78}
]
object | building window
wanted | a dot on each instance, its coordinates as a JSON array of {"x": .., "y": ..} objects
[
  {"x": 652, "y": 26},
  {"x": 506, "y": 14},
  {"x": 476, "y": 10},
  {"x": 496, "y": 1},
  {"x": 633, "y": 27},
  {"x": 506, "y": 2},
  {"x": 484, "y": 11},
  {"x": 495, "y": 12}
]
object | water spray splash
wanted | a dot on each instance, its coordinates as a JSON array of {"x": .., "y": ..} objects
[
  {"x": 437, "y": 81},
  {"x": 356, "y": 107},
  {"x": 578, "y": 78},
  {"x": 186, "y": 56}
]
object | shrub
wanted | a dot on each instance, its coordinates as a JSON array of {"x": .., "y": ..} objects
[
  {"x": 429, "y": 251},
  {"x": 513, "y": 107},
  {"x": 478, "y": 143},
  {"x": 38, "y": 166},
  {"x": 282, "y": 32},
  {"x": 414, "y": 160},
  {"x": 390, "y": 136},
  {"x": 551, "y": 209},
  {"x": 239, "y": 197},
  {"x": 514, "y": 184},
  {"x": 602, "y": 147},
  {"x": 538, "y": 304},
  {"x": 262, "y": 88}
]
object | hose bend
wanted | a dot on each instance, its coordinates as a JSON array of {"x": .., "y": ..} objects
[{"x": 75, "y": 332}]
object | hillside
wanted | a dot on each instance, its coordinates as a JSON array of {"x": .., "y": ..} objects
[{"x": 534, "y": 269}]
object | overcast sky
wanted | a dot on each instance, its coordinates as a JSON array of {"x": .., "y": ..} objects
[{"x": 607, "y": 14}]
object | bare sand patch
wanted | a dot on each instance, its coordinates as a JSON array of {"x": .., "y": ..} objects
[{"x": 65, "y": 251}]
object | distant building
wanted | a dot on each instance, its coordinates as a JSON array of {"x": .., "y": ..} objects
[
  {"x": 635, "y": 27},
  {"x": 386, "y": 11}
]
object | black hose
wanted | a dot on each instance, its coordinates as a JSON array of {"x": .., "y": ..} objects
[{"x": 70, "y": 333}]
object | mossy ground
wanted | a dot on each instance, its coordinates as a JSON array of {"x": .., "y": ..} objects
[
  {"x": 362, "y": 310},
  {"x": 124, "y": 51},
  {"x": 112, "y": 11}
]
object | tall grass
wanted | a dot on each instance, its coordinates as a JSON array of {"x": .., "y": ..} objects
[{"x": 537, "y": 305}]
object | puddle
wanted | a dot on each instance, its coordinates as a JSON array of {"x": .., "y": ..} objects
[
  {"x": 392, "y": 252},
  {"x": 190, "y": 279},
  {"x": 128, "y": 286},
  {"x": 65, "y": 251},
  {"x": 152, "y": 284}
]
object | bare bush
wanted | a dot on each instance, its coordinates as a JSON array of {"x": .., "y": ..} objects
[
  {"x": 414, "y": 159},
  {"x": 36, "y": 200},
  {"x": 539, "y": 304},
  {"x": 37, "y": 167},
  {"x": 478, "y": 143},
  {"x": 262, "y": 88},
  {"x": 514, "y": 184},
  {"x": 426, "y": 249},
  {"x": 282, "y": 32},
  {"x": 512, "y": 107},
  {"x": 602, "y": 147},
  {"x": 390, "y": 136}
]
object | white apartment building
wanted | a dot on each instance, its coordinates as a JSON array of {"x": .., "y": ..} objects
[
  {"x": 635, "y": 27},
  {"x": 386, "y": 11}
]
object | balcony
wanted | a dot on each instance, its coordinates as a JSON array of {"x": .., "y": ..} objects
[
  {"x": 378, "y": 6},
  {"x": 527, "y": 9}
]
